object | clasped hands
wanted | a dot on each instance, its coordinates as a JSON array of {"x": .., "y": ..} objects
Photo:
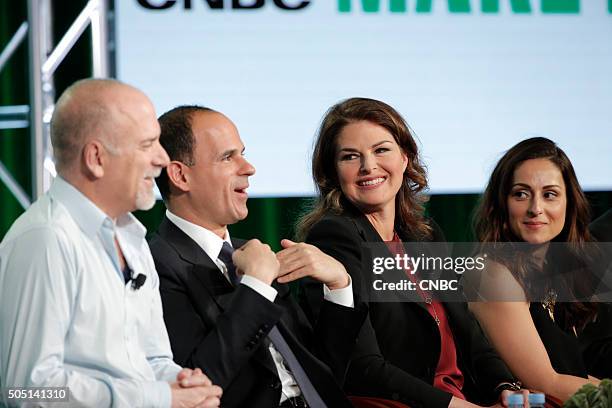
[
  {"x": 193, "y": 389},
  {"x": 295, "y": 261}
]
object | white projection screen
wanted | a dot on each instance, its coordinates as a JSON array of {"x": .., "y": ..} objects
[{"x": 471, "y": 77}]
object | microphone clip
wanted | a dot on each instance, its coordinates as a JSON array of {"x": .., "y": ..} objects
[{"x": 138, "y": 281}]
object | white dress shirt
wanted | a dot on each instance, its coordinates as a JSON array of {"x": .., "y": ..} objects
[
  {"x": 67, "y": 317},
  {"x": 211, "y": 243}
]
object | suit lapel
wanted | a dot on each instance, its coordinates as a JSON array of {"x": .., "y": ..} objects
[
  {"x": 369, "y": 234},
  {"x": 206, "y": 274},
  {"x": 203, "y": 269}
]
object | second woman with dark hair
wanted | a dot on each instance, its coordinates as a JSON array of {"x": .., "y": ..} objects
[
  {"x": 533, "y": 201},
  {"x": 369, "y": 175}
]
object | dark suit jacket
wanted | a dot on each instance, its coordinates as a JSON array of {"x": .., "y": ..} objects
[
  {"x": 399, "y": 347},
  {"x": 596, "y": 339},
  {"x": 223, "y": 330}
]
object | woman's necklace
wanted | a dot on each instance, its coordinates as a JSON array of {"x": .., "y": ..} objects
[
  {"x": 424, "y": 295},
  {"x": 549, "y": 303},
  {"x": 429, "y": 301}
]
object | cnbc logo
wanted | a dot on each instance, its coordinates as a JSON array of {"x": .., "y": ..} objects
[
  {"x": 466, "y": 6},
  {"x": 374, "y": 6}
]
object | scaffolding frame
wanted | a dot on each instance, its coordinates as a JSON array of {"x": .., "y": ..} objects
[{"x": 43, "y": 60}]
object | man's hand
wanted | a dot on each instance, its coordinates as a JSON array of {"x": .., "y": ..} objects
[
  {"x": 300, "y": 259},
  {"x": 192, "y": 378},
  {"x": 193, "y": 389},
  {"x": 257, "y": 260},
  {"x": 200, "y": 396}
]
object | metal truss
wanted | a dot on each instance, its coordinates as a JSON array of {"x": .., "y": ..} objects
[{"x": 43, "y": 61}]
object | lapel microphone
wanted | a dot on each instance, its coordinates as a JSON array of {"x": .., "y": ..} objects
[{"x": 138, "y": 281}]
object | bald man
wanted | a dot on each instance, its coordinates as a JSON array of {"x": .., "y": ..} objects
[{"x": 79, "y": 299}]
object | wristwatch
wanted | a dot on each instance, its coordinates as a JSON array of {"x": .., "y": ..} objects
[{"x": 512, "y": 386}]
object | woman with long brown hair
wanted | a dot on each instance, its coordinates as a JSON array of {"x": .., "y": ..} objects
[
  {"x": 533, "y": 199},
  {"x": 369, "y": 175}
]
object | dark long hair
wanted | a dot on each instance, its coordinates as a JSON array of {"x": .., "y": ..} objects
[
  {"x": 492, "y": 215},
  {"x": 492, "y": 219},
  {"x": 408, "y": 203}
]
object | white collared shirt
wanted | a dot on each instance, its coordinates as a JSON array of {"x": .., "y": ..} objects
[
  {"x": 67, "y": 317},
  {"x": 211, "y": 243}
]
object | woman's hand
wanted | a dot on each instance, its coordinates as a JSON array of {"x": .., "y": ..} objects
[
  {"x": 300, "y": 259},
  {"x": 503, "y": 398}
]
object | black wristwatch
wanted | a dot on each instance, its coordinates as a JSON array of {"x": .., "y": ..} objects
[{"x": 512, "y": 386}]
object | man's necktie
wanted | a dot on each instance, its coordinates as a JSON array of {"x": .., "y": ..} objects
[
  {"x": 127, "y": 273},
  {"x": 311, "y": 395},
  {"x": 225, "y": 255}
]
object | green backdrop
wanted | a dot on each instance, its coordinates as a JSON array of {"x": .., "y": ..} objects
[{"x": 270, "y": 219}]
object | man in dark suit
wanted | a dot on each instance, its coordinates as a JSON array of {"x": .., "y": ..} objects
[{"x": 234, "y": 316}]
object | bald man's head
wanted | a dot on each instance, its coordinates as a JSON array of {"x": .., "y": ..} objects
[
  {"x": 105, "y": 136},
  {"x": 88, "y": 109}
]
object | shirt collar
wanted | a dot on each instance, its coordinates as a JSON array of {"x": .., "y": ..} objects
[
  {"x": 89, "y": 217},
  {"x": 206, "y": 239}
]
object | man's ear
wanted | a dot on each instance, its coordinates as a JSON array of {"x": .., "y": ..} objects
[
  {"x": 177, "y": 175},
  {"x": 94, "y": 156}
]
